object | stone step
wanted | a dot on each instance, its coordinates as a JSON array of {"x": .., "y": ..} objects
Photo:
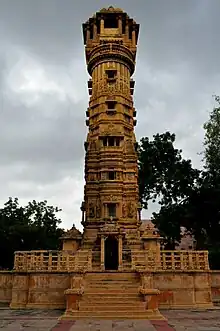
[
  {"x": 101, "y": 291},
  {"x": 121, "y": 288},
  {"x": 110, "y": 298},
  {"x": 116, "y": 301},
  {"x": 112, "y": 315},
  {"x": 111, "y": 307},
  {"x": 113, "y": 273},
  {"x": 112, "y": 283},
  {"x": 106, "y": 295},
  {"x": 113, "y": 280}
]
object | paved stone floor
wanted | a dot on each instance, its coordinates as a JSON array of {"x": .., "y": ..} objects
[{"x": 177, "y": 320}]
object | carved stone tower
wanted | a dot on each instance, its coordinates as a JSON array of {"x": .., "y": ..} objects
[{"x": 111, "y": 189}]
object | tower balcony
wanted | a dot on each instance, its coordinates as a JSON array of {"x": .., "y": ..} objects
[
  {"x": 111, "y": 149},
  {"x": 109, "y": 51}
]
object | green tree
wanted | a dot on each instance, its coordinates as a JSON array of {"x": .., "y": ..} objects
[
  {"x": 34, "y": 226},
  {"x": 165, "y": 177},
  {"x": 212, "y": 142}
]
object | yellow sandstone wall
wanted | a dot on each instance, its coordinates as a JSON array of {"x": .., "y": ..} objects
[
  {"x": 6, "y": 280},
  {"x": 183, "y": 289},
  {"x": 40, "y": 290},
  {"x": 215, "y": 281},
  {"x": 46, "y": 290}
]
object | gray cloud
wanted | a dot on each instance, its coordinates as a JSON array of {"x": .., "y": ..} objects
[{"x": 43, "y": 95}]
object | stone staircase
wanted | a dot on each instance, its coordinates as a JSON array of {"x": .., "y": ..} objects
[{"x": 112, "y": 295}]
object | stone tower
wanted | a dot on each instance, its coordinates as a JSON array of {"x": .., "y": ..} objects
[{"x": 111, "y": 189}]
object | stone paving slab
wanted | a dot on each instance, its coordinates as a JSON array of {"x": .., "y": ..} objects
[{"x": 47, "y": 320}]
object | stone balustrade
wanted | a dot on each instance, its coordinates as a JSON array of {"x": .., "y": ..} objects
[
  {"x": 170, "y": 260},
  {"x": 52, "y": 261},
  {"x": 66, "y": 261}
]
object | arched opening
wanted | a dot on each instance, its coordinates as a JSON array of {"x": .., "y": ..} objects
[{"x": 111, "y": 253}]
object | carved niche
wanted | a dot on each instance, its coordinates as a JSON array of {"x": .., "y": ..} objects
[
  {"x": 130, "y": 209},
  {"x": 91, "y": 209},
  {"x": 124, "y": 210},
  {"x": 98, "y": 209},
  {"x": 129, "y": 146}
]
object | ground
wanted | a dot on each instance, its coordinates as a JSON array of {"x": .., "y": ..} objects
[{"x": 178, "y": 320}]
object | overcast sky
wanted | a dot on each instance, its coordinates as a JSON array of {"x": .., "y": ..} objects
[{"x": 43, "y": 90}]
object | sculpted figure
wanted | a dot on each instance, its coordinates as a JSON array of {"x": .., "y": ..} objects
[
  {"x": 124, "y": 210},
  {"x": 98, "y": 210},
  {"x": 131, "y": 210},
  {"x": 91, "y": 210}
]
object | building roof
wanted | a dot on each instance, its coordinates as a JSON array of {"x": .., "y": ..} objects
[
  {"x": 111, "y": 9},
  {"x": 73, "y": 233}
]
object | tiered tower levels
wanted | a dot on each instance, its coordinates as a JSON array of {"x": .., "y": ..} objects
[{"x": 111, "y": 189}]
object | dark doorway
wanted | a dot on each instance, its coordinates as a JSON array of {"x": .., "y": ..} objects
[{"x": 111, "y": 253}]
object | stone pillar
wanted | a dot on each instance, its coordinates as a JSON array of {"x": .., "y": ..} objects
[
  {"x": 102, "y": 253},
  {"x": 127, "y": 30},
  {"x": 105, "y": 210},
  {"x": 133, "y": 37},
  {"x": 120, "y": 252},
  {"x": 102, "y": 26},
  {"x": 87, "y": 35},
  {"x": 120, "y": 25},
  {"x": 94, "y": 31}
]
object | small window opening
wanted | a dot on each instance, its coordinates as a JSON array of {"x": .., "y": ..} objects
[
  {"x": 98, "y": 27},
  {"x": 91, "y": 32},
  {"x": 111, "y": 104},
  {"x": 123, "y": 27},
  {"x": 112, "y": 209},
  {"x": 112, "y": 175},
  {"x": 111, "y": 74},
  {"x": 105, "y": 141},
  {"x": 111, "y": 22},
  {"x": 111, "y": 141},
  {"x": 117, "y": 140},
  {"x": 130, "y": 32}
]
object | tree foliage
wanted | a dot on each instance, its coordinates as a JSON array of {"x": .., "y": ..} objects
[
  {"x": 165, "y": 177},
  {"x": 34, "y": 226},
  {"x": 212, "y": 142},
  {"x": 188, "y": 197}
]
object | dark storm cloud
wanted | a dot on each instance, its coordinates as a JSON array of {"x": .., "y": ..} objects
[{"x": 43, "y": 95}]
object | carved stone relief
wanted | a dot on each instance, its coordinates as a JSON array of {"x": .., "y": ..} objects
[
  {"x": 124, "y": 210},
  {"x": 91, "y": 210},
  {"x": 98, "y": 209},
  {"x": 111, "y": 198},
  {"x": 130, "y": 210}
]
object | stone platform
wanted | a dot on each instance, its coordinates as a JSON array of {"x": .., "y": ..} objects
[{"x": 47, "y": 320}]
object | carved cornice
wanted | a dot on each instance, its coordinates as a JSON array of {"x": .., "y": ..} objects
[{"x": 108, "y": 52}]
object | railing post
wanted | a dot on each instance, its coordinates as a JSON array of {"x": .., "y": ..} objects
[
  {"x": 164, "y": 260},
  {"x": 197, "y": 266},
  {"x": 207, "y": 260},
  {"x": 172, "y": 261},
  {"x": 58, "y": 262},
  {"x": 181, "y": 261},
  {"x": 190, "y": 260},
  {"x": 50, "y": 261}
]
